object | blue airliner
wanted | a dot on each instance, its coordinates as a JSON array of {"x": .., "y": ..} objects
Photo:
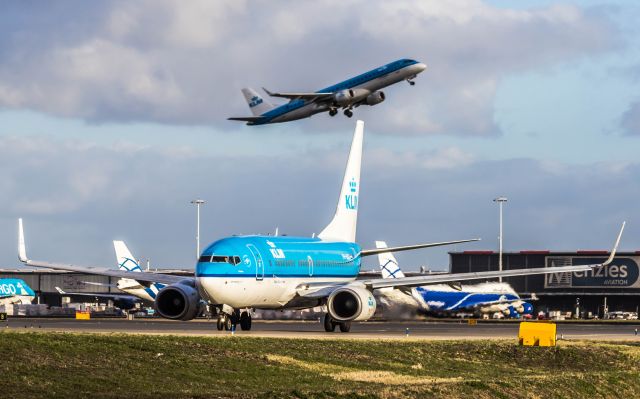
[
  {"x": 14, "y": 291},
  {"x": 442, "y": 299},
  {"x": 237, "y": 274},
  {"x": 364, "y": 89}
]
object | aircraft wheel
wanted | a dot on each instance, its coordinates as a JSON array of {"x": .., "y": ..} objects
[
  {"x": 412, "y": 83},
  {"x": 228, "y": 324},
  {"x": 245, "y": 321},
  {"x": 345, "y": 326},
  {"x": 333, "y": 112},
  {"x": 329, "y": 324},
  {"x": 220, "y": 323},
  {"x": 348, "y": 113}
]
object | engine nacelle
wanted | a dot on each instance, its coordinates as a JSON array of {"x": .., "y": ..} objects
[
  {"x": 178, "y": 301},
  {"x": 375, "y": 98},
  {"x": 351, "y": 304},
  {"x": 343, "y": 97}
]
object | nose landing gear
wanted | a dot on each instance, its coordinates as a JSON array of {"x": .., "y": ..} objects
[
  {"x": 227, "y": 322},
  {"x": 411, "y": 82}
]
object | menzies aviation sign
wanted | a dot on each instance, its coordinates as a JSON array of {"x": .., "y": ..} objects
[{"x": 621, "y": 273}]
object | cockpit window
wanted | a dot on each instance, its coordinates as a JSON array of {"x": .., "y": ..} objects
[{"x": 234, "y": 260}]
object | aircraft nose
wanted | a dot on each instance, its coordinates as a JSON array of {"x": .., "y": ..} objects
[{"x": 420, "y": 67}]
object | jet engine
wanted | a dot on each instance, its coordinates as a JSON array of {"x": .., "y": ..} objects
[
  {"x": 375, "y": 98},
  {"x": 343, "y": 98},
  {"x": 179, "y": 301},
  {"x": 351, "y": 304}
]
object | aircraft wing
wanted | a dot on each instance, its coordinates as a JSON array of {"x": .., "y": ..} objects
[
  {"x": 456, "y": 277},
  {"x": 246, "y": 118},
  {"x": 103, "y": 271},
  {"x": 99, "y": 295},
  {"x": 300, "y": 96}
]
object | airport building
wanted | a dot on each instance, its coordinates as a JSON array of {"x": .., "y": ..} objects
[{"x": 608, "y": 289}]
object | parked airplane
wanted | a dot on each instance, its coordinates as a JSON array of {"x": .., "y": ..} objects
[
  {"x": 14, "y": 291},
  {"x": 240, "y": 273},
  {"x": 135, "y": 291},
  {"x": 445, "y": 299},
  {"x": 363, "y": 89}
]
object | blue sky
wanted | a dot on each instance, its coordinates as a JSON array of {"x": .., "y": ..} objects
[{"x": 113, "y": 118}]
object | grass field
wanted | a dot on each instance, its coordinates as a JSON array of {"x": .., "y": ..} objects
[{"x": 57, "y": 365}]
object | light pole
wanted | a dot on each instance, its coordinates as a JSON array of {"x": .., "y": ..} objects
[
  {"x": 500, "y": 201},
  {"x": 197, "y": 203}
]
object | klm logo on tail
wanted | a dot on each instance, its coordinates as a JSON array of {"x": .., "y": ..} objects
[
  {"x": 255, "y": 100},
  {"x": 351, "y": 200}
]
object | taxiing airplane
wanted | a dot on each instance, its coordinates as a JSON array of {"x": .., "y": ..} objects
[
  {"x": 442, "y": 299},
  {"x": 14, "y": 291},
  {"x": 364, "y": 89},
  {"x": 239, "y": 273}
]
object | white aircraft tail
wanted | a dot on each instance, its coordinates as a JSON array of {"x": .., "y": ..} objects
[
  {"x": 343, "y": 225},
  {"x": 388, "y": 263},
  {"x": 126, "y": 261},
  {"x": 257, "y": 104}
]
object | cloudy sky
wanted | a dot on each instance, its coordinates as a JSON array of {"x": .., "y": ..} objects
[{"x": 113, "y": 117}]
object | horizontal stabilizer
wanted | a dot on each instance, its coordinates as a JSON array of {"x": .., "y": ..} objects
[
  {"x": 369, "y": 252},
  {"x": 247, "y": 118}
]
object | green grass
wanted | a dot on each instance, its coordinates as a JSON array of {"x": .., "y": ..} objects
[{"x": 57, "y": 365}]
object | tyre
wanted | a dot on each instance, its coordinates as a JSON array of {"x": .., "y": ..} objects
[
  {"x": 220, "y": 324},
  {"x": 245, "y": 321},
  {"x": 345, "y": 326},
  {"x": 329, "y": 324},
  {"x": 228, "y": 324}
]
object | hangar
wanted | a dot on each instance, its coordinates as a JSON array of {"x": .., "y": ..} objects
[{"x": 615, "y": 287}]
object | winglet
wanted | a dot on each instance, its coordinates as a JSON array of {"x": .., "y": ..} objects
[
  {"x": 22, "y": 249},
  {"x": 615, "y": 247}
]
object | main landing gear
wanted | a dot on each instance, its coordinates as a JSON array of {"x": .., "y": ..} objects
[
  {"x": 228, "y": 322},
  {"x": 330, "y": 324},
  {"x": 333, "y": 111},
  {"x": 348, "y": 113}
]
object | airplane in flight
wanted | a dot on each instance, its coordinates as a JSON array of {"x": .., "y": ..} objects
[
  {"x": 239, "y": 273},
  {"x": 443, "y": 299},
  {"x": 14, "y": 291},
  {"x": 364, "y": 89}
]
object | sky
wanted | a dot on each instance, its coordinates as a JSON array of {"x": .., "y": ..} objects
[{"x": 113, "y": 117}]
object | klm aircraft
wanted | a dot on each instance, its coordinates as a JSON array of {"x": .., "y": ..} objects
[
  {"x": 237, "y": 274},
  {"x": 14, "y": 291},
  {"x": 444, "y": 299},
  {"x": 363, "y": 89}
]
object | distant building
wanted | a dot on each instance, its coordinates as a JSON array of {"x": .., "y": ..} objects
[{"x": 616, "y": 286}]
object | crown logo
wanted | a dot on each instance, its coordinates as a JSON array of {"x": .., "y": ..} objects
[{"x": 353, "y": 185}]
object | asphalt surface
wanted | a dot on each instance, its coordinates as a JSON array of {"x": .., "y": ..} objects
[{"x": 313, "y": 329}]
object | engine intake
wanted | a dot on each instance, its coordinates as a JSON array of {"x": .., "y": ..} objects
[
  {"x": 178, "y": 301},
  {"x": 351, "y": 304},
  {"x": 375, "y": 98}
]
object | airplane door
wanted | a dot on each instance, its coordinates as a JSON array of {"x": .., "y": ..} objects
[
  {"x": 258, "y": 258},
  {"x": 310, "y": 261}
]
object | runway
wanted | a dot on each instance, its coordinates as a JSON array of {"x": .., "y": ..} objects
[{"x": 313, "y": 329}]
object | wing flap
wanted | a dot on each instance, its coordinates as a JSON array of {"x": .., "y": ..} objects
[{"x": 300, "y": 96}]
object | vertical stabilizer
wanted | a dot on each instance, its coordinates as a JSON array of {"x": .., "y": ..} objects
[
  {"x": 388, "y": 263},
  {"x": 343, "y": 225},
  {"x": 257, "y": 104},
  {"x": 126, "y": 261}
]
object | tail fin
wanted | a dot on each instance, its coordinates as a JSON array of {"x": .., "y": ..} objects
[
  {"x": 343, "y": 225},
  {"x": 388, "y": 263},
  {"x": 257, "y": 104},
  {"x": 126, "y": 261}
]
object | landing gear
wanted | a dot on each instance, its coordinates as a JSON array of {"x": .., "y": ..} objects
[
  {"x": 224, "y": 322},
  {"x": 411, "y": 82},
  {"x": 330, "y": 324},
  {"x": 348, "y": 113},
  {"x": 245, "y": 321},
  {"x": 333, "y": 111}
]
